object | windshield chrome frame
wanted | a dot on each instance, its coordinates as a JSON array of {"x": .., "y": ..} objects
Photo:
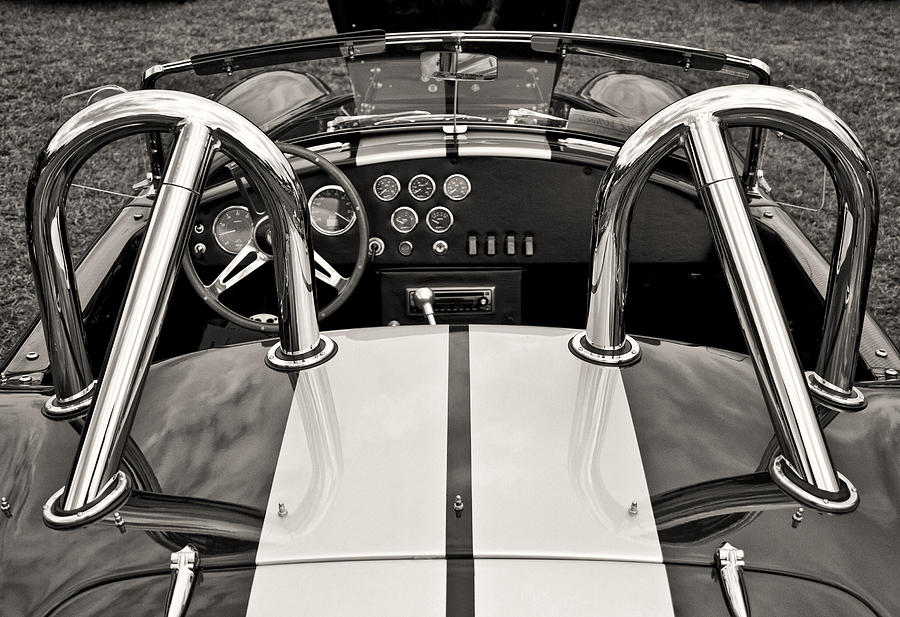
[{"x": 353, "y": 44}]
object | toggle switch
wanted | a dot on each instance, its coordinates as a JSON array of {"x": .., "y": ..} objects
[
  {"x": 491, "y": 244},
  {"x": 510, "y": 244}
]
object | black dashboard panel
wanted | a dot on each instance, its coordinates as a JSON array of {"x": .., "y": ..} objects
[{"x": 537, "y": 211}]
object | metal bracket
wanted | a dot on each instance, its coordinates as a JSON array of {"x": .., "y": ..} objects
[
  {"x": 729, "y": 565},
  {"x": 183, "y": 564}
]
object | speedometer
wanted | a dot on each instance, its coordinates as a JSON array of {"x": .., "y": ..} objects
[
  {"x": 457, "y": 187},
  {"x": 421, "y": 187},
  {"x": 386, "y": 187},
  {"x": 233, "y": 228},
  {"x": 331, "y": 212}
]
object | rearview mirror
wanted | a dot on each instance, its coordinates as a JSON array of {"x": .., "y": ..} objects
[{"x": 458, "y": 66}]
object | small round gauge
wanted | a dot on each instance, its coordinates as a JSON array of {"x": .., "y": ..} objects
[
  {"x": 422, "y": 187},
  {"x": 330, "y": 210},
  {"x": 386, "y": 187},
  {"x": 439, "y": 219},
  {"x": 233, "y": 228},
  {"x": 404, "y": 219},
  {"x": 457, "y": 187}
]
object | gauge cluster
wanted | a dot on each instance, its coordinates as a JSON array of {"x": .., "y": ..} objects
[{"x": 406, "y": 215}]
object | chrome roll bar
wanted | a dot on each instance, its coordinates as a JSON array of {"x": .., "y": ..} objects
[
  {"x": 804, "y": 469},
  {"x": 202, "y": 127}
]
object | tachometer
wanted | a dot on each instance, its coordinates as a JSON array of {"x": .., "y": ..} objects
[
  {"x": 439, "y": 219},
  {"x": 386, "y": 187},
  {"x": 331, "y": 212},
  {"x": 422, "y": 187},
  {"x": 404, "y": 219},
  {"x": 233, "y": 228},
  {"x": 457, "y": 187}
]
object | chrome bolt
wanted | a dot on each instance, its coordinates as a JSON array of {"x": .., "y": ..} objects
[
  {"x": 633, "y": 510},
  {"x": 25, "y": 379},
  {"x": 198, "y": 228},
  {"x": 282, "y": 511},
  {"x": 890, "y": 373},
  {"x": 4, "y": 507},
  {"x": 881, "y": 353},
  {"x": 458, "y": 506},
  {"x": 138, "y": 216},
  {"x": 32, "y": 355},
  {"x": 199, "y": 249},
  {"x": 120, "y": 523},
  {"x": 768, "y": 214},
  {"x": 797, "y": 518}
]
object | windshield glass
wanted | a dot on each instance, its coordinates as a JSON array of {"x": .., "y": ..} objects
[{"x": 584, "y": 83}]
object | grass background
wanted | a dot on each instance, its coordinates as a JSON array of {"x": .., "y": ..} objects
[{"x": 846, "y": 52}]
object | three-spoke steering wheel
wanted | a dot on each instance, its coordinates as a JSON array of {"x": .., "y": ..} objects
[{"x": 252, "y": 255}]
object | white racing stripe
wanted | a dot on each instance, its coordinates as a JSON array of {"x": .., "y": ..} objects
[
  {"x": 350, "y": 589},
  {"x": 555, "y": 466},
  {"x": 555, "y": 460},
  {"x": 362, "y": 466}
]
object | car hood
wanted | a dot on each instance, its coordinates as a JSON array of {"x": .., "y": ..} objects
[
  {"x": 347, "y": 475},
  {"x": 410, "y": 15}
]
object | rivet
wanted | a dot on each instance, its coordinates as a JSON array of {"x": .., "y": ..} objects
[
  {"x": 797, "y": 518},
  {"x": 890, "y": 373},
  {"x": 32, "y": 355},
  {"x": 25, "y": 379},
  {"x": 881, "y": 353},
  {"x": 4, "y": 507},
  {"x": 138, "y": 216},
  {"x": 825, "y": 501},
  {"x": 459, "y": 506},
  {"x": 633, "y": 510},
  {"x": 120, "y": 523},
  {"x": 282, "y": 511},
  {"x": 768, "y": 214}
]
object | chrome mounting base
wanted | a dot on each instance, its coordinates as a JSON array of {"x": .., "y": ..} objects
[
  {"x": 72, "y": 407},
  {"x": 628, "y": 353},
  {"x": 845, "y": 500},
  {"x": 833, "y": 397},
  {"x": 114, "y": 495},
  {"x": 281, "y": 361}
]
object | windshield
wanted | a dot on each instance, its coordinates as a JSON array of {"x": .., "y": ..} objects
[{"x": 581, "y": 83}]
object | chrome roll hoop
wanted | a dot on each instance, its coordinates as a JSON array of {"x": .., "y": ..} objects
[
  {"x": 696, "y": 123},
  {"x": 201, "y": 128}
]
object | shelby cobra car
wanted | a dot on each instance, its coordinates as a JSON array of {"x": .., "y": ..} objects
[{"x": 420, "y": 324}]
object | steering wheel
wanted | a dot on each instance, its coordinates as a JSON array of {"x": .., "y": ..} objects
[{"x": 241, "y": 266}]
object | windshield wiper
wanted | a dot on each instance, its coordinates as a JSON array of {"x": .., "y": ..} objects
[
  {"x": 534, "y": 118},
  {"x": 341, "y": 121},
  {"x": 410, "y": 117}
]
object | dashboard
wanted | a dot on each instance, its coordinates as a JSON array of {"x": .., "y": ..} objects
[
  {"x": 490, "y": 212},
  {"x": 495, "y": 230}
]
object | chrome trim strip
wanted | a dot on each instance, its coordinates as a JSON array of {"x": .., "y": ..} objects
[{"x": 696, "y": 123}]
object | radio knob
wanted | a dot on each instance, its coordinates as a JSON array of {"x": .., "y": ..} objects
[{"x": 439, "y": 247}]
